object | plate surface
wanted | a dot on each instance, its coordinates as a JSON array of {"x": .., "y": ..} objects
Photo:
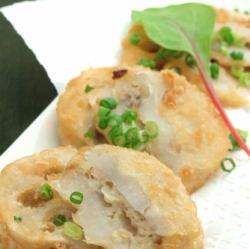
[{"x": 83, "y": 35}]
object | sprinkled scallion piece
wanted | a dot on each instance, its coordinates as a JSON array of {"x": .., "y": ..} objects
[
  {"x": 72, "y": 230},
  {"x": 89, "y": 134},
  {"x": 227, "y": 35},
  {"x": 190, "y": 61},
  {"x": 147, "y": 63},
  {"x": 245, "y": 79},
  {"x": 151, "y": 129},
  {"x": 134, "y": 39},
  {"x": 224, "y": 49},
  {"x": 76, "y": 198},
  {"x": 59, "y": 220},
  {"x": 237, "y": 55},
  {"x": 236, "y": 71},
  {"x": 214, "y": 70},
  {"x": 88, "y": 89},
  {"x": 17, "y": 219},
  {"x": 129, "y": 116},
  {"x": 124, "y": 130},
  {"x": 109, "y": 103},
  {"x": 235, "y": 145},
  {"x": 228, "y": 165},
  {"x": 46, "y": 192}
]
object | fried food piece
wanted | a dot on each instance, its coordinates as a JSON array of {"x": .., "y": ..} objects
[
  {"x": 229, "y": 91},
  {"x": 192, "y": 138},
  {"x": 131, "y": 200}
]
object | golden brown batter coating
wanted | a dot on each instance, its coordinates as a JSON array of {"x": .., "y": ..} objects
[
  {"x": 192, "y": 137},
  {"x": 131, "y": 200}
]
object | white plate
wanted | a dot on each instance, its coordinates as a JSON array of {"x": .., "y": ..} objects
[{"x": 68, "y": 36}]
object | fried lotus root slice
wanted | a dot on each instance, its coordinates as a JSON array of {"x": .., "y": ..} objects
[
  {"x": 231, "y": 94},
  {"x": 130, "y": 200},
  {"x": 20, "y": 186},
  {"x": 192, "y": 139}
]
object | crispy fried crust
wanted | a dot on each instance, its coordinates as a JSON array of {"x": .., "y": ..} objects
[
  {"x": 192, "y": 138},
  {"x": 170, "y": 216},
  {"x": 230, "y": 94}
]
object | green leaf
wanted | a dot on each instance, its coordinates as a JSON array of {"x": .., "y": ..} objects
[{"x": 186, "y": 27}]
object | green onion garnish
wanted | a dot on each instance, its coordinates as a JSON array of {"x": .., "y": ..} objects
[
  {"x": 129, "y": 116},
  {"x": 59, "y": 220},
  {"x": 134, "y": 39},
  {"x": 103, "y": 112},
  {"x": 72, "y": 230},
  {"x": 236, "y": 71},
  {"x": 151, "y": 129},
  {"x": 76, "y": 198},
  {"x": 227, "y": 165},
  {"x": 245, "y": 79},
  {"x": 133, "y": 136},
  {"x": 114, "y": 120},
  {"x": 89, "y": 134},
  {"x": 46, "y": 192},
  {"x": 103, "y": 123},
  {"x": 115, "y": 132},
  {"x": 119, "y": 141},
  {"x": 214, "y": 70},
  {"x": 237, "y": 55},
  {"x": 17, "y": 219},
  {"x": 227, "y": 35},
  {"x": 88, "y": 88},
  {"x": 147, "y": 63},
  {"x": 190, "y": 61},
  {"x": 235, "y": 145},
  {"x": 224, "y": 49},
  {"x": 109, "y": 103}
]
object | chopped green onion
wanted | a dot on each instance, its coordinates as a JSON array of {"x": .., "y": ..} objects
[
  {"x": 236, "y": 10},
  {"x": 72, "y": 230},
  {"x": 235, "y": 145},
  {"x": 176, "y": 69},
  {"x": 134, "y": 39},
  {"x": 151, "y": 129},
  {"x": 227, "y": 35},
  {"x": 239, "y": 41},
  {"x": 76, "y": 198},
  {"x": 246, "y": 12},
  {"x": 46, "y": 192},
  {"x": 245, "y": 79},
  {"x": 129, "y": 116},
  {"x": 103, "y": 123},
  {"x": 114, "y": 120},
  {"x": 132, "y": 136},
  {"x": 190, "y": 61},
  {"x": 227, "y": 165},
  {"x": 214, "y": 70},
  {"x": 237, "y": 55},
  {"x": 162, "y": 53},
  {"x": 17, "y": 219},
  {"x": 119, "y": 140},
  {"x": 115, "y": 132},
  {"x": 109, "y": 103},
  {"x": 103, "y": 112},
  {"x": 147, "y": 63},
  {"x": 236, "y": 71},
  {"x": 89, "y": 134},
  {"x": 224, "y": 49},
  {"x": 59, "y": 220},
  {"x": 88, "y": 88}
]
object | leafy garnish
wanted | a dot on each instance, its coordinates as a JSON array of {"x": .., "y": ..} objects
[{"x": 189, "y": 28}]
